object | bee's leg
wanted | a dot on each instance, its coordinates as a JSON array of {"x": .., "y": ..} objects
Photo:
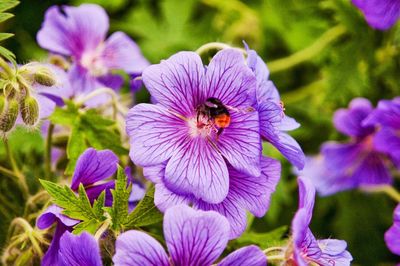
[{"x": 240, "y": 110}]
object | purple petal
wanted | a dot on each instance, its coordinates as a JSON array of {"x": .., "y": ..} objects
[
  {"x": 266, "y": 90},
  {"x": 82, "y": 250},
  {"x": 176, "y": 83},
  {"x": 194, "y": 237},
  {"x": 240, "y": 143},
  {"x": 254, "y": 193},
  {"x": 121, "y": 52},
  {"x": 164, "y": 198},
  {"x": 154, "y": 133},
  {"x": 93, "y": 192},
  {"x": 197, "y": 168},
  {"x": 112, "y": 81},
  {"x": 135, "y": 248},
  {"x": 52, "y": 214},
  {"x": 272, "y": 121},
  {"x": 386, "y": 114},
  {"x": 380, "y": 14},
  {"x": 230, "y": 80},
  {"x": 93, "y": 166},
  {"x": 46, "y": 106},
  {"x": 155, "y": 173},
  {"x": 51, "y": 257},
  {"x": 232, "y": 210},
  {"x": 249, "y": 256},
  {"x": 339, "y": 157},
  {"x": 334, "y": 252},
  {"x": 387, "y": 141},
  {"x": 71, "y": 31},
  {"x": 349, "y": 121},
  {"x": 306, "y": 197},
  {"x": 305, "y": 246},
  {"x": 372, "y": 171},
  {"x": 392, "y": 236}
]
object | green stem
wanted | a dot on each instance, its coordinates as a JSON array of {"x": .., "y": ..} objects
[
  {"x": 309, "y": 52},
  {"x": 272, "y": 249},
  {"x": 6, "y": 67},
  {"x": 275, "y": 257},
  {"x": 388, "y": 190},
  {"x": 16, "y": 172},
  {"x": 211, "y": 46},
  {"x": 48, "y": 151}
]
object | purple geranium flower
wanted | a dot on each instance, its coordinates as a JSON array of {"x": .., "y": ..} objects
[
  {"x": 80, "y": 33},
  {"x": 392, "y": 236},
  {"x": 357, "y": 163},
  {"x": 64, "y": 223},
  {"x": 192, "y": 237},
  {"x": 246, "y": 192},
  {"x": 273, "y": 122},
  {"x": 182, "y": 132},
  {"x": 380, "y": 14},
  {"x": 304, "y": 248}
]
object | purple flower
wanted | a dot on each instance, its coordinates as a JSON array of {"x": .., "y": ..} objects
[
  {"x": 182, "y": 131},
  {"x": 245, "y": 193},
  {"x": 51, "y": 215},
  {"x": 273, "y": 122},
  {"x": 80, "y": 33},
  {"x": 192, "y": 237},
  {"x": 392, "y": 236},
  {"x": 79, "y": 250},
  {"x": 304, "y": 248},
  {"x": 94, "y": 166},
  {"x": 357, "y": 163},
  {"x": 380, "y": 14}
]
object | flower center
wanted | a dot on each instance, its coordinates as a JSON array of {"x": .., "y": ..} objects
[
  {"x": 92, "y": 61},
  {"x": 201, "y": 126}
]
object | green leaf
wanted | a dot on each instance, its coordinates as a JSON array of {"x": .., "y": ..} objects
[
  {"x": 5, "y": 36},
  {"x": 264, "y": 240},
  {"x": 7, "y": 4},
  {"x": 5, "y": 16},
  {"x": 75, "y": 147},
  {"x": 7, "y": 54},
  {"x": 77, "y": 206},
  {"x": 119, "y": 209},
  {"x": 65, "y": 116},
  {"x": 145, "y": 213}
]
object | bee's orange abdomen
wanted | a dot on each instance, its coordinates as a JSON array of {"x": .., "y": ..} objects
[{"x": 222, "y": 120}]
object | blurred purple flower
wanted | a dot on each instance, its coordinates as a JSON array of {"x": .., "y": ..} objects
[
  {"x": 174, "y": 132},
  {"x": 360, "y": 162},
  {"x": 392, "y": 236},
  {"x": 273, "y": 122},
  {"x": 246, "y": 193},
  {"x": 80, "y": 33},
  {"x": 380, "y": 14},
  {"x": 192, "y": 237},
  {"x": 304, "y": 248}
]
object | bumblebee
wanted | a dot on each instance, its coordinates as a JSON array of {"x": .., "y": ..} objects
[{"x": 216, "y": 112}]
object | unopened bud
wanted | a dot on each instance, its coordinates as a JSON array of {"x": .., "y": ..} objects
[
  {"x": 29, "y": 111},
  {"x": 44, "y": 77},
  {"x": 10, "y": 90},
  {"x": 9, "y": 115}
]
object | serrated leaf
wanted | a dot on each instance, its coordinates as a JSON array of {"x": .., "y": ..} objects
[
  {"x": 145, "y": 213},
  {"x": 77, "y": 206},
  {"x": 75, "y": 147},
  {"x": 64, "y": 116},
  {"x": 90, "y": 226},
  {"x": 264, "y": 240},
  {"x": 98, "y": 204},
  {"x": 119, "y": 209}
]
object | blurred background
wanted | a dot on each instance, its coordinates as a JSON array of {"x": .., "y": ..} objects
[{"x": 321, "y": 55}]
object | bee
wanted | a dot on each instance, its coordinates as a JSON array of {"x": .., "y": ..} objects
[{"x": 216, "y": 113}]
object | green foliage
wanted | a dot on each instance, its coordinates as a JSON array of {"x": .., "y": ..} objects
[
  {"x": 88, "y": 129},
  {"x": 4, "y": 16},
  {"x": 145, "y": 213},
  {"x": 77, "y": 206},
  {"x": 119, "y": 209},
  {"x": 274, "y": 238}
]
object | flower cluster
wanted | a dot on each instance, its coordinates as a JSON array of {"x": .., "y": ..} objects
[{"x": 367, "y": 158}]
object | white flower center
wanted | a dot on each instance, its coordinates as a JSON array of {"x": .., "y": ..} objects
[{"x": 93, "y": 62}]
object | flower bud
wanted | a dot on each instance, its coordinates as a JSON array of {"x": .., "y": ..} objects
[
  {"x": 10, "y": 90},
  {"x": 9, "y": 115},
  {"x": 29, "y": 109},
  {"x": 44, "y": 77}
]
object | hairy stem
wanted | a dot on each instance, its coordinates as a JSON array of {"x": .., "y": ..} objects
[
  {"x": 48, "y": 151},
  {"x": 387, "y": 189}
]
